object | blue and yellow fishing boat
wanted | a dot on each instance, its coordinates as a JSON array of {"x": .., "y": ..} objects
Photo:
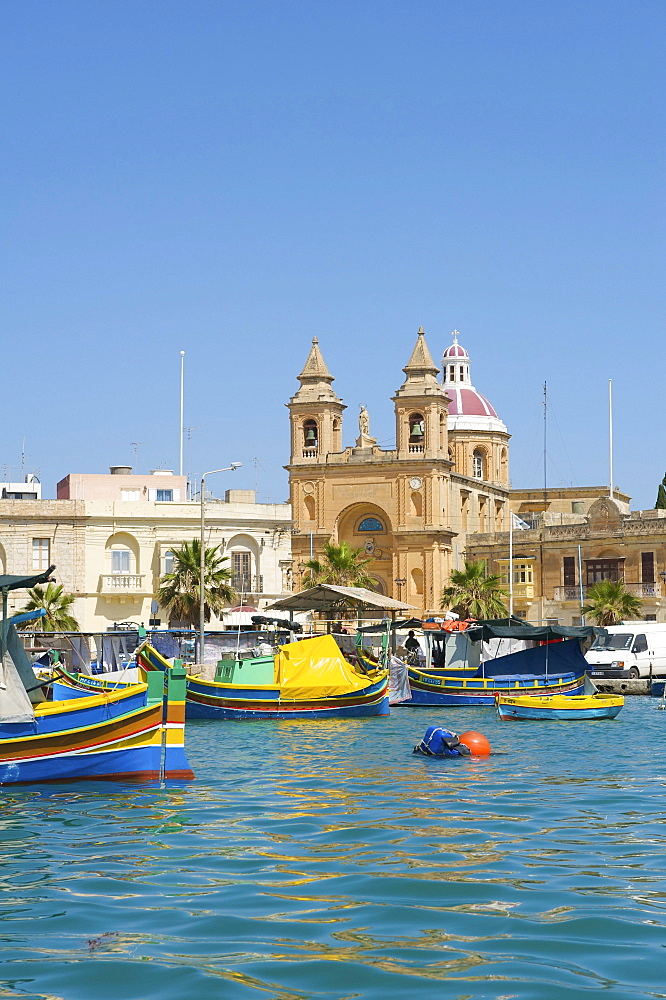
[
  {"x": 453, "y": 672},
  {"x": 116, "y": 731},
  {"x": 560, "y": 708},
  {"x": 310, "y": 679}
]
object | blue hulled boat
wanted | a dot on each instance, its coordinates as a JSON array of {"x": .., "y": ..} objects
[
  {"x": 454, "y": 674},
  {"x": 310, "y": 679}
]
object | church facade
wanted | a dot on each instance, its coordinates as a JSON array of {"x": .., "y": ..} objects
[{"x": 410, "y": 508}]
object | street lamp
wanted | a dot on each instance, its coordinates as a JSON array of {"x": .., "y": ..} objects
[
  {"x": 400, "y": 584},
  {"x": 202, "y": 613}
]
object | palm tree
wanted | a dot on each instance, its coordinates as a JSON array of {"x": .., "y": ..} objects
[
  {"x": 57, "y": 606},
  {"x": 474, "y": 593},
  {"x": 609, "y": 602},
  {"x": 179, "y": 590},
  {"x": 341, "y": 566}
]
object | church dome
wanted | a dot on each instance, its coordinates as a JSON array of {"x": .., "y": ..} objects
[
  {"x": 456, "y": 350},
  {"x": 468, "y": 409}
]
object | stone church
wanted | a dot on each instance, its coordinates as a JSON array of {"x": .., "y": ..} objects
[{"x": 410, "y": 508}]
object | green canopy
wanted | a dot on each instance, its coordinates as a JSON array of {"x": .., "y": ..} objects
[
  {"x": 24, "y": 582},
  {"x": 501, "y": 629}
]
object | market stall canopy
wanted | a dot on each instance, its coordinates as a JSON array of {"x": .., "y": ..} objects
[
  {"x": 326, "y": 596},
  {"x": 501, "y": 629}
]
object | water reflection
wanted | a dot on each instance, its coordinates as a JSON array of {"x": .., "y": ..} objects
[{"x": 324, "y": 860}]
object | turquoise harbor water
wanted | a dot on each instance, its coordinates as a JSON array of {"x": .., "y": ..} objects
[{"x": 323, "y": 860}]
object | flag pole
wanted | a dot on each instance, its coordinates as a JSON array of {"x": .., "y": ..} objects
[
  {"x": 510, "y": 563},
  {"x": 610, "y": 433},
  {"x": 182, "y": 398}
]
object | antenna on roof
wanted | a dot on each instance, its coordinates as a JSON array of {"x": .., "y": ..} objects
[{"x": 135, "y": 445}]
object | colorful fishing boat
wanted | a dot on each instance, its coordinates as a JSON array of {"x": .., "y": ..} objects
[
  {"x": 310, "y": 679},
  {"x": 560, "y": 707},
  {"x": 453, "y": 672},
  {"x": 121, "y": 731}
]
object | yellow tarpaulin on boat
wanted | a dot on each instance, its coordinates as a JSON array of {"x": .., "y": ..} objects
[{"x": 315, "y": 668}]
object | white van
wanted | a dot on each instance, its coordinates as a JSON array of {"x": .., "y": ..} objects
[{"x": 632, "y": 649}]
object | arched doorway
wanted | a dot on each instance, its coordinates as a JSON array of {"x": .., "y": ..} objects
[{"x": 367, "y": 527}]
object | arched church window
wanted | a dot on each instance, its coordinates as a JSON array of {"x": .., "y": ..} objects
[
  {"x": 310, "y": 434},
  {"x": 478, "y": 464},
  {"x": 370, "y": 524},
  {"x": 416, "y": 428},
  {"x": 309, "y": 505}
]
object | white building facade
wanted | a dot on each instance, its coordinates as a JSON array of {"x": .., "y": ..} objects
[{"x": 112, "y": 553}]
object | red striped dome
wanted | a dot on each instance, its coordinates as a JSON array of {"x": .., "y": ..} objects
[{"x": 467, "y": 401}]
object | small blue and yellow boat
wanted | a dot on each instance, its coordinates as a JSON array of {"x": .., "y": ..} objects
[{"x": 563, "y": 708}]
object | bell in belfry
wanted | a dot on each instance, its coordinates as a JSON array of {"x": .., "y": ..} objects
[
  {"x": 417, "y": 430},
  {"x": 310, "y": 436}
]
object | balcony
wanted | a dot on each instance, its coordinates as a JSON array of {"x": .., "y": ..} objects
[
  {"x": 645, "y": 591},
  {"x": 310, "y": 452},
  {"x": 122, "y": 584},
  {"x": 416, "y": 449}
]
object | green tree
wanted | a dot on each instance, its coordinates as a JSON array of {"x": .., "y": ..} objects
[
  {"x": 661, "y": 496},
  {"x": 609, "y": 602},
  {"x": 474, "y": 593},
  {"x": 341, "y": 565},
  {"x": 179, "y": 590},
  {"x": 58, "y": 617}
]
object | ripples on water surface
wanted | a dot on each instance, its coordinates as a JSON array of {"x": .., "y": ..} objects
[{"x": 323, "y": 860}]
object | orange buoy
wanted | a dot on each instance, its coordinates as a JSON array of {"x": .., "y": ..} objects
[{"x": 476, "y": 742}]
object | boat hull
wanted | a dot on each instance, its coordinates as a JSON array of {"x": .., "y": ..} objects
[
  {"x": 130, "y": 732},
  {"x": 210, "y": 700},
  {"x": 429, "y": 690},
  {"x": 560, "y": 709}
]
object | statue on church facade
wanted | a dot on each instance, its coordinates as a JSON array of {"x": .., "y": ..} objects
[{"x": 364, "y": 440}]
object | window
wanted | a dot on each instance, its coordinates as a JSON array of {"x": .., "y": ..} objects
[
  {"x": 370, "y": 524},
  {"x": 120, "y": 560},
  {"x": 477, "y": 464},
  {"x": 452, "y": 373},
  {"x": 241, "y": 569},
  {"x": 619, "y": 640},
  {"x": 164, "y": 495},
  {"x": 647, "y": 567},
  {"x": 522, "y": 573},
  {"x": 569, "y": 571},
  {"x": 464, "y": 508},
  {"x": 640, "y": 644},
  {"x": 462, "y": 373},
  {"x": 130, "y": 494},
  {"x": 168, "y": 562},
  {"x": 41, "y": 553},
  {"x": 603, "y": 569}
]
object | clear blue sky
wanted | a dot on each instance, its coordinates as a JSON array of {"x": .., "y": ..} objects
[{"x": 232, "y": 178}]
